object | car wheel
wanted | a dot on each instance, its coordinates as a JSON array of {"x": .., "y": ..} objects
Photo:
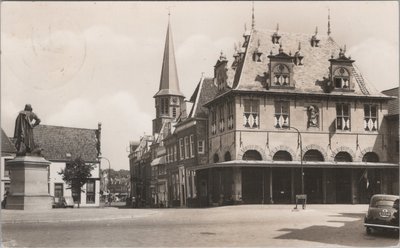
[{"x": 368, "y": 230}]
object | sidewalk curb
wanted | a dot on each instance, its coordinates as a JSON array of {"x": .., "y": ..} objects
[{"x": 128, "y": 217}]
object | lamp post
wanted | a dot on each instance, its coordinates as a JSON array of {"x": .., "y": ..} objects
[
  {"x": 301, "y": 159},
  {"x": 109, "y": 170}
]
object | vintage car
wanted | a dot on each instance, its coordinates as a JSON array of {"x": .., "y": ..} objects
[
  {"x": 63, "y": 202},
  {"x": 383, "y": 213}
]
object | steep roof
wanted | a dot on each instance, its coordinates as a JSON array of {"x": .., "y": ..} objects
[
  {"x": 393, "y": 105},
  {"x": 7, "y": 146},
  {"x": 169, "y": 83},
  {"x": 204, "y": 92},
  {"x": 308, "y": 77},
  {"x": 57, "y": 142}
]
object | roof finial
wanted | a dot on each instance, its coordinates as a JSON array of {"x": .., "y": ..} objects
[
  {"x": 316, "y": 30},
  {"x": 277, "y": 28},
  {"x": 299, "y": 45},
  {"x": 253, "y": 21},
  {"x": 245, "y": 27},
  {"x": 329, "y": 21},
  {"x": 280, "y": 47}
]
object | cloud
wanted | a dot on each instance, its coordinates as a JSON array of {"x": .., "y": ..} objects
[
  {"x": 378, "y": 61},
  {"x": 122, "y": 120},
  {"x": 198, "y": 54}
]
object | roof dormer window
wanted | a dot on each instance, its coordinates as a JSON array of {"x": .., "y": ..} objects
[
  {"x": 276, "y": 36},
  {"x": 257, "y": 53},
  {"x": 341, "y": 78},
  {"x": 281, "y": 69},
  {"x": 281, "y": 75},
  {"x": 341, "y": 73},
  {"x": 298, "y": 57},
  {"x": 315, "y": 39}
]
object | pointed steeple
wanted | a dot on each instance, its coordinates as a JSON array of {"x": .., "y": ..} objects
[
  {"x": 253, "y": 21},
  {"x": 169, "y": 83},
  {"x": 329, "y": 21}
]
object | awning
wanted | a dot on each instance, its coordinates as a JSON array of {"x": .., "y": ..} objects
[
  {"x": 294, "y": 164},
  {"x": 157, "y": 161}
]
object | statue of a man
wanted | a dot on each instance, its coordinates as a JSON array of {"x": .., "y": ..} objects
[{"x": 23, "y": 132}]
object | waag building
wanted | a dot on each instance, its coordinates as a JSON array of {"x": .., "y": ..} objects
[{"x": 290, "y": 114}]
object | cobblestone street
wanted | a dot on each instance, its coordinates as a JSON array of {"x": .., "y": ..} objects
[{"x": 231, "y": 226}]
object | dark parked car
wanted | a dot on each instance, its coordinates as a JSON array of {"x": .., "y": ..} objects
[
  {"x": 383, "y": 213},
  {"x": 63, "y": 202}
]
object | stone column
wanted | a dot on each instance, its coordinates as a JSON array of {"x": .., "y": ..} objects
[{"x": 29, "y": 183}]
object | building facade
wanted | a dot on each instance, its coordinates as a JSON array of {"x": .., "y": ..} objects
[
  {"x": 291, "y": 115},
  {"x": 60, "y": 146},
  {"x": 287, "y": 124},
  {"x": 8, "y": 152}
]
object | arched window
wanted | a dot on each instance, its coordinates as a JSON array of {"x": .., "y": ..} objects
[
  {"x": 370, "y": 157},
  {"x": 281, "y": 75},
  {"x": 227, "y": 156},
  {"x": 282, "y": 156},
  {"x": 343, "y": 157},
  {"x": 216, "y": 158},
  {"x": 341, "y": 78},
  {"x": 252, "y": 155},
  {"x": 313, "y": 155}
]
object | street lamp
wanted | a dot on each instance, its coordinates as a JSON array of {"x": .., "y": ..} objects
[
  {"x": 301, "y": 159},
  {"x": 109, "y": 171}
]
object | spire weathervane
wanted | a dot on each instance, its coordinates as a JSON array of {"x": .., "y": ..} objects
[{"x": 329, "y": 21}]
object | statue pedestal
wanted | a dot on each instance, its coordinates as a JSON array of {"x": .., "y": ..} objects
[{"x": 29, "y": 184}]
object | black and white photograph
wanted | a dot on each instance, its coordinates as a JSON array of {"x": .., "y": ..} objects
[{"x": 199, "y": 123}]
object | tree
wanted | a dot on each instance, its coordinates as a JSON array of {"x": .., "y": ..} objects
[{"x": 76, "y": 174}]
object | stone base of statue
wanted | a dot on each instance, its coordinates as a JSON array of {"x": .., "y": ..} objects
[{"x": 29, "y": 183}]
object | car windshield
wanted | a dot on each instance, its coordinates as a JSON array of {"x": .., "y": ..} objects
[{"x": 385, "y": 202}]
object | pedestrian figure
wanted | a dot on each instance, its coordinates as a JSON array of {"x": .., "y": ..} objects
[
  {"x": 23, "y": 133},
  {"x": 4, "y": 202}
]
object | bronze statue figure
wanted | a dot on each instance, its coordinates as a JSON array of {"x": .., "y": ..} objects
[{"x": 23, "y": 133}]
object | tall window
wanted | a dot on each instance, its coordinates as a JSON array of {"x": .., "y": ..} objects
[
  {"x": 370, "y": 117},
  {"x": 191, "y": 146},
  {"x": 90, "y": 191},
  {"x": 251, "y": 113},
  {"x": 281, "y": 75},
  {"x": 221, "y": 118},
  {"x": 181, "y": 149},
  {"x": 164, "y": 106},
  {"x": 174, "y": 112},
  {"x": 342, "y": 116},
  {"x": 213, "y": 121},
  {"x": 175, "y": 157},
  {"x": 187, "y": 147},
  {"x": 230, "y": 114},
  {"x": 58, "y": 190},
  {"x": 281, "y": 114},
  {"x": 200, "y": 146},
  {"x": 341, "y": 78}
]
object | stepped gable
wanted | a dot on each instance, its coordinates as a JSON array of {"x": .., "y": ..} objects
[{"x": 308, "y": 77}]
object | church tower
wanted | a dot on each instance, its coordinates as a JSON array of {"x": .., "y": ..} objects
[{"x": 169, "y": 100}]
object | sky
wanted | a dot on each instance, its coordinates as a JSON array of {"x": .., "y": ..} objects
[{"x": 81, "y": 63}]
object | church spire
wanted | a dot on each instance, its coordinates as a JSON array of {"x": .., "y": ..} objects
[
  {"x": 253, "y": 21},
  {"x": 329, "y": 21},
  {"x": 169, "y": 83}
]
